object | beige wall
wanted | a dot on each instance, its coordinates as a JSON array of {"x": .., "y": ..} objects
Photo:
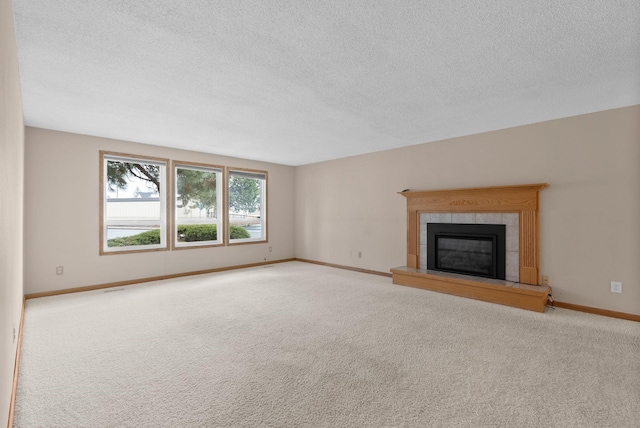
[
  {"x": 62, "y": 215},
  {"x": 590, "y": 214},
  {"x": 342, "y": 208},
  {"x": 11, "y": 203}
]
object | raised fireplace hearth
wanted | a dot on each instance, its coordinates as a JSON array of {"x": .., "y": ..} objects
[{"x": 440, "y": 256}]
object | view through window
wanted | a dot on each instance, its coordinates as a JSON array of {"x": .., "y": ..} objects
[
  {"x": 134, "y": 203},
  {"x": 247, "y": 206},
  {"x": 198, "y": 208}
]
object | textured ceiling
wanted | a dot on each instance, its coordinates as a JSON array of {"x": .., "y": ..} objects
[{"x": 297, "y": 82}]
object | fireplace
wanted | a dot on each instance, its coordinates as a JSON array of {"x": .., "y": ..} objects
[
  {"x": 515, "y": 208},
  {"x": 470, "y": 249}
]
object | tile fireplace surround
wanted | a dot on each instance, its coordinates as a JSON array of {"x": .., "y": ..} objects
[
  {"x": 509, "y": 220},
  {"x": 514, "y": 206}
]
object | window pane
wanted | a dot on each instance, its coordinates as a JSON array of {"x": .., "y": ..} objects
[
  {"x": 133, "y": 204},
  {"x": 197, "y": 205},
  {"x": 247, "y": 206}
]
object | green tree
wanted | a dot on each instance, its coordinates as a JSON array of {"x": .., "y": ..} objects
[
  {"x": 244, "y": 194},
  {"x": 197, "y": 188},
  {"x": 193, "y": 186},
  {"x": 118, "y": 174}
]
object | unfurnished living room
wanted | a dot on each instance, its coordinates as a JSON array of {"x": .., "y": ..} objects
[{"x": 320, "y": 214}]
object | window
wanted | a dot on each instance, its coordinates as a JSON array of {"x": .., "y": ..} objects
[
  {"x": 206, "y": 211},
  {"x": 247, "y": 206},
  {"x": 133, "y": 203},
  {"x": 198, "y": 205}
]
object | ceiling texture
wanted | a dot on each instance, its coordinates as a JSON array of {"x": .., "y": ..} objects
[{"x": 300, "y": 81}]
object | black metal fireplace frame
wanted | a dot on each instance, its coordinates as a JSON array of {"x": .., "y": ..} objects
[{"x": 494, "y": 232}]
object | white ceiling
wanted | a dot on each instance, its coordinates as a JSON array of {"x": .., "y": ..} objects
[{"x": 296, "y": 82}]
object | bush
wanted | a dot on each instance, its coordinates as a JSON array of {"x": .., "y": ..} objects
[
  {"x": 238, "y": 232},
  {"x": 207, "y": 232},
  {"x": 149, "y": 237},
  {"x": 186, "y": 233},
  {"x": 197, "y": 232}
]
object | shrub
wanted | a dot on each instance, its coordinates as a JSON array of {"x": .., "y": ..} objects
[
  {"x": 197, "y": 232},
  {"x": 186, "y": 233},
  {"x": 207, "y": 232},
  {"x": 238, "y": 232},
  {"x": 149, "y": 237}
]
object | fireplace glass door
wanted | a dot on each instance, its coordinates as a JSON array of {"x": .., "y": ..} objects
[
  {"x": 466, "y": 255},
  {"x": 470, "y": 249}
]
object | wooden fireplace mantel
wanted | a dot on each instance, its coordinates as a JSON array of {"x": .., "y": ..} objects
[{"x": 520, "y": 199}]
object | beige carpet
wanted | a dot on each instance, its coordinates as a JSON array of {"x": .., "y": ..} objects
[{"x": 300, "y": 345}]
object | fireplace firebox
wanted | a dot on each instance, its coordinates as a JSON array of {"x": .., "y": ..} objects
[{"x": 470, "y": 249}]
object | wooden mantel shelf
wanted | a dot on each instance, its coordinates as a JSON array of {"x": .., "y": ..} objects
[
  {"x": 524, "y": 296},
  {"x": 481, "y": 195}
]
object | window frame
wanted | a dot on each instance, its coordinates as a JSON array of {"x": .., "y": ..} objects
[
  {"x": 220, "y": 198},
  {"x": 165, "y": 178},
  {"x": 264, "y": 207}
]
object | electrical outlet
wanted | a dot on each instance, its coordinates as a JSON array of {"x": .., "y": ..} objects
[
  {"x": 616, "y": 287},
  {"x": 59, "y": 270},
  {"x": 270, "y": 249},
  {"x": 359, "y": 254},
  {"x": 545, "y": 279}
]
